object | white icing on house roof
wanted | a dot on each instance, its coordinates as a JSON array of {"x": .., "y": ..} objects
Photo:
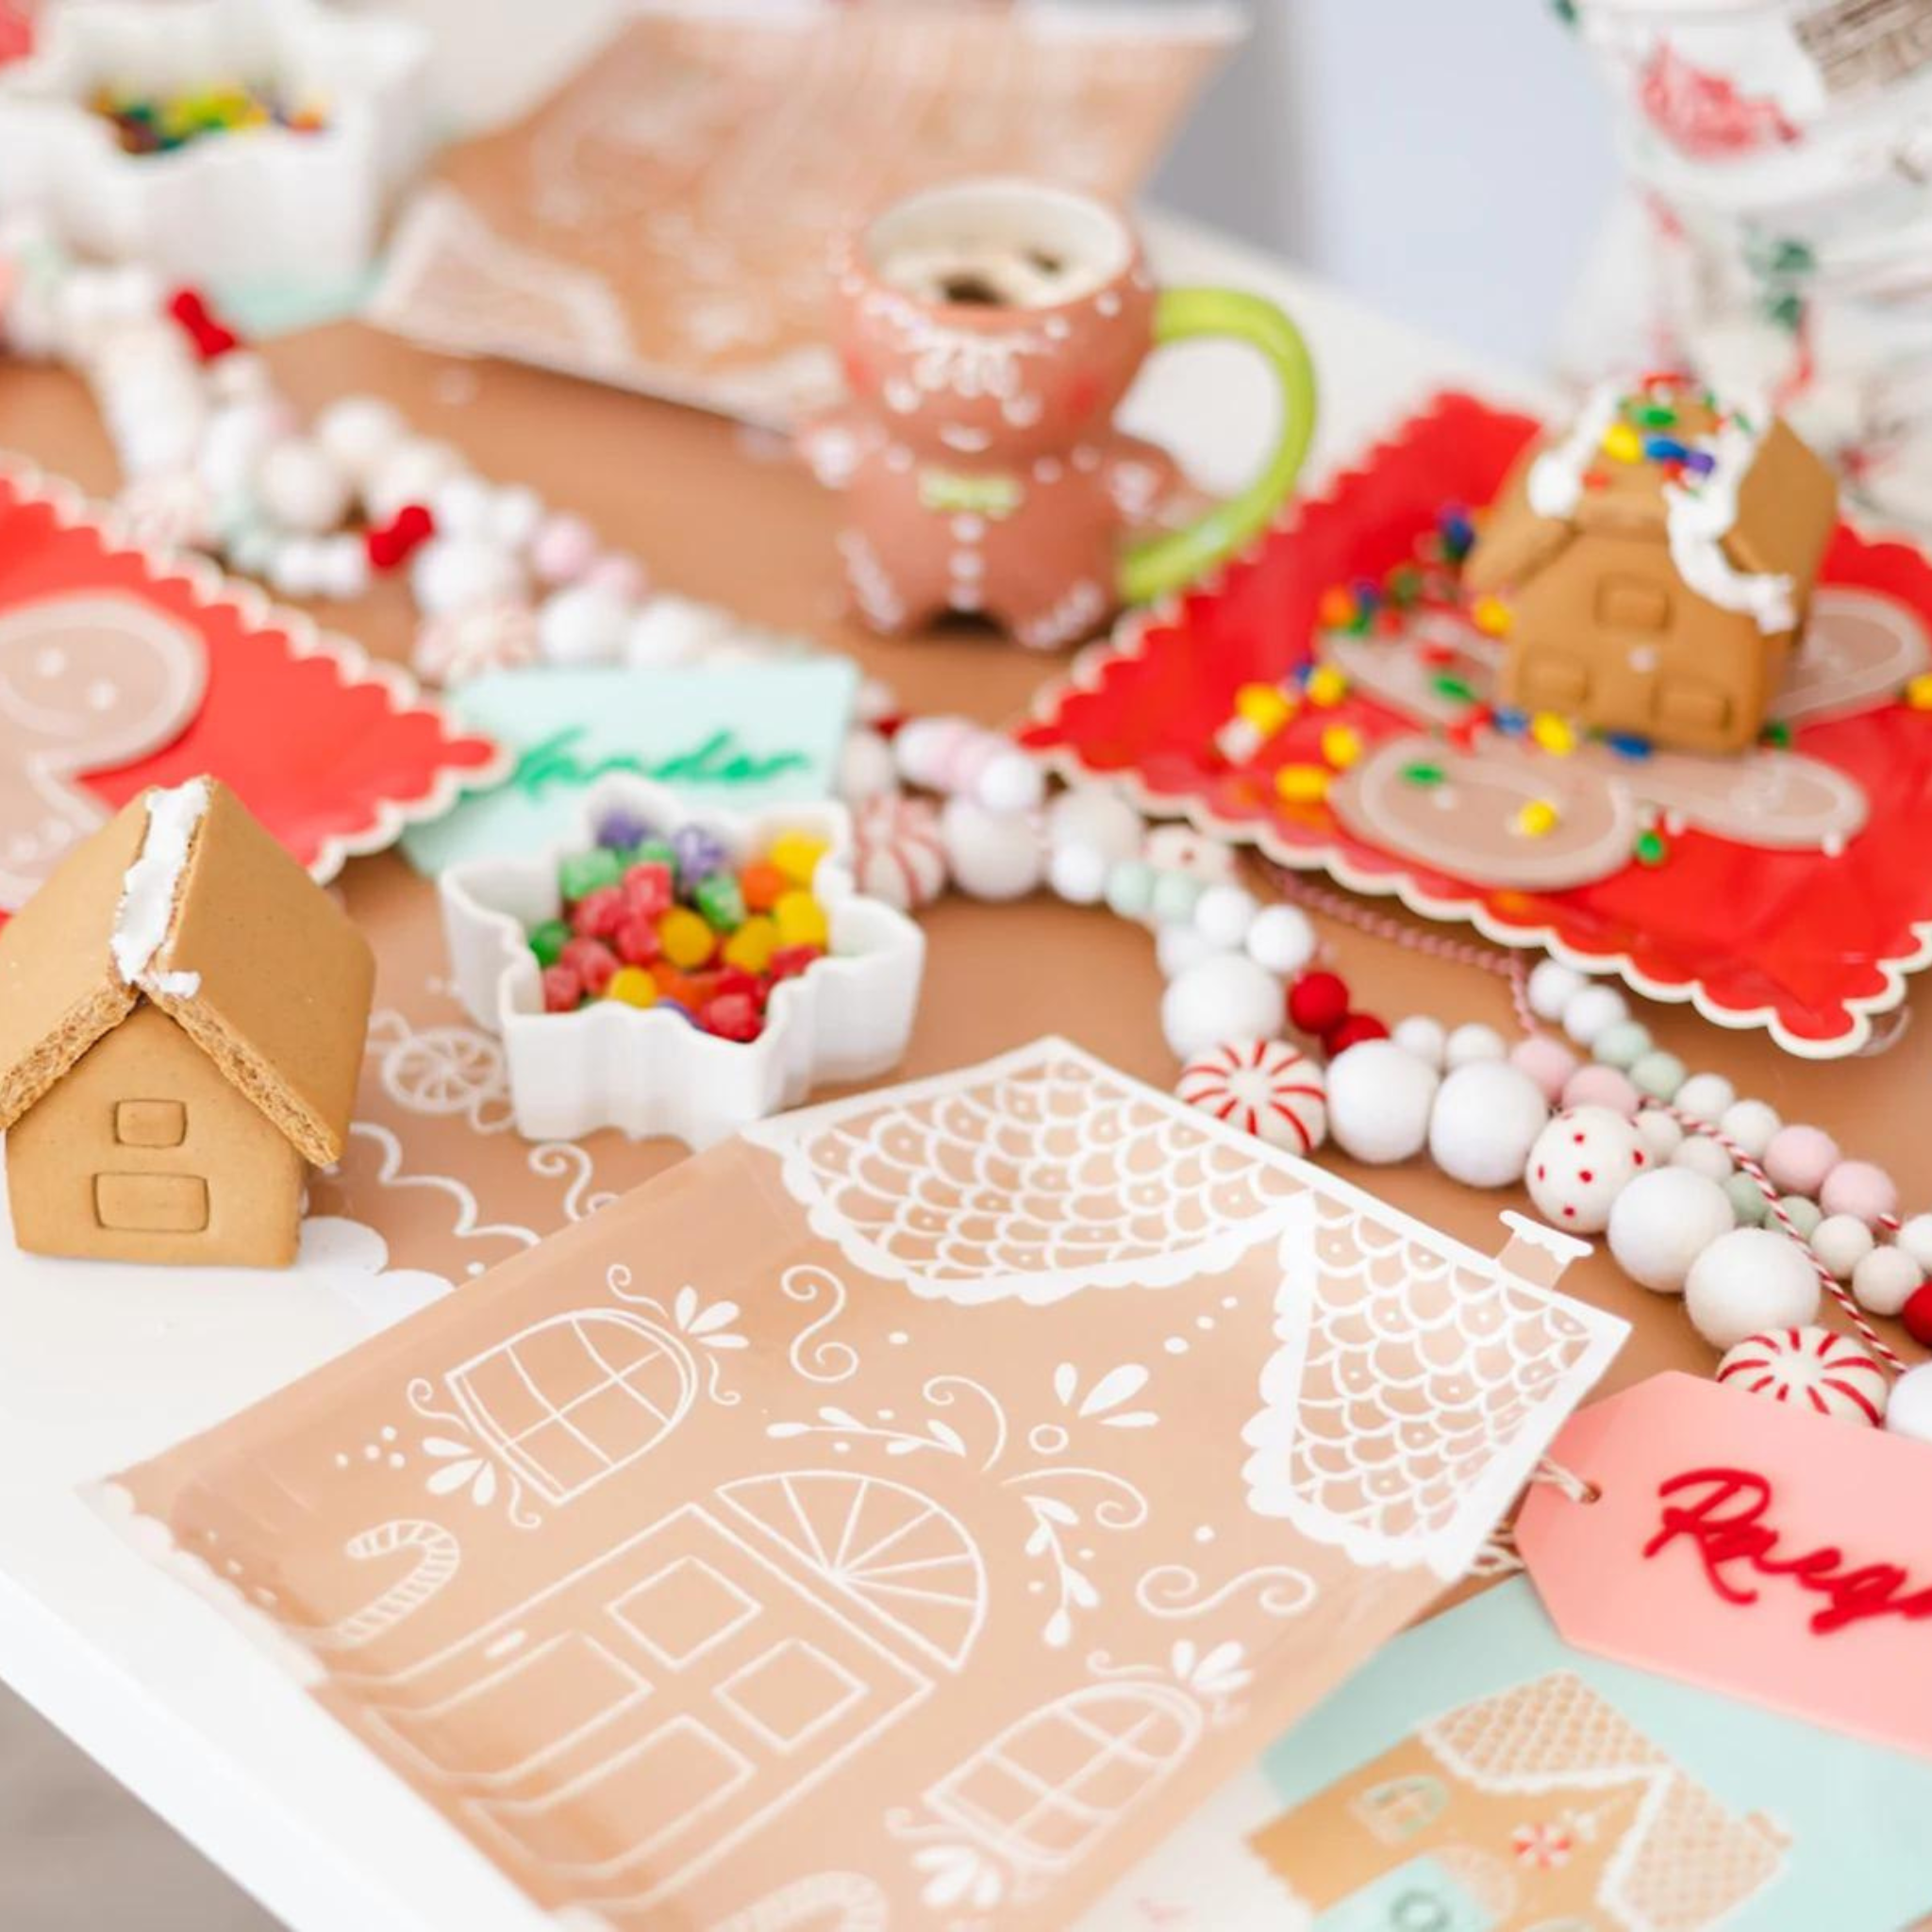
[
  {"x": 1697, "y": 517},
  {"x": 150, "y": 885}
]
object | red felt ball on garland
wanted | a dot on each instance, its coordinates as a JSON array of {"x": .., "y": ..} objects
[
  {"x": 1354, "y": 1030},
  {"x": 1917, "y": 1315},
  {"x": 1317, "y": 1003}
]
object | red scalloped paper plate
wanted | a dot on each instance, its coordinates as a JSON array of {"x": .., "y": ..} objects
[
  {"x": 1808, "y": 946},
  {"x": 333, "y": 752}
]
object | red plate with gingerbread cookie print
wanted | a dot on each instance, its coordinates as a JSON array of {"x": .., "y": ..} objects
[
  {"x": 119, "y": 670},
  {"x": 1343, "y": 699}
]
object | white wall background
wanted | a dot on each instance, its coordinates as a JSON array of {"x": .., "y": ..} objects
[{"x": 1447, "y": 160}]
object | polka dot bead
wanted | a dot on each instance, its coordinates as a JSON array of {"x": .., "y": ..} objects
[
  {"x": 1662, "y": 1221},
  {"x": 1225, "y": 995},
  {"x": 897, "y": 854},
  {"x": 1379, "y": 1099},
  {"x": 1747, "y": 1280},
  {"x": 1487, "y": 1116},
  {"x": 1798, "y": 1160},
  {"x": 1810, "y": 1369},
  {"x": 1580, "y": 1162},
  {"x": 1860, "y": 1189},
  {"x": 1264, "y": 1086}
]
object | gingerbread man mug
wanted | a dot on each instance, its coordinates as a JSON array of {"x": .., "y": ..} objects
[{"x": 988, "y": 330}]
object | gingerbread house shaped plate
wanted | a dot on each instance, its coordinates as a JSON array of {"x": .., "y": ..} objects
[
  {"x": 1782, "y": 886},
  {"x": 897, "y": 1515}
]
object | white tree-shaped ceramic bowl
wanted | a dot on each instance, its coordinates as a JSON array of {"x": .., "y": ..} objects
[
  {"x": 649, "y": 1070},
  {"x": 232, "y": 210}
]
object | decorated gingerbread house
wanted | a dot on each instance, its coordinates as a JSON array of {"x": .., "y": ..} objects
[
  {"x": 182, "y": 1013},
  {"x": 1654, "y": 565},
  {"x": 1539, "y": 1806}
]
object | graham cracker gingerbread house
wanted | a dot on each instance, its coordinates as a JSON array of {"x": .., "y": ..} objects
[
  {"x": 1538, "y": 1808},
  {"x": 1654, "y": 565},
  {"x": 182, "y": 1012}
]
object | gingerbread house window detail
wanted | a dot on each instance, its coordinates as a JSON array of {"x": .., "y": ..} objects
[
  {"x": 1043, "y": 1791},
  {"x": 150, "y": 1123},
  {"x": 1399, "y": 1808},
  {"x": 151, "y": 1202},
  {"x": 570, "y": 1400}
]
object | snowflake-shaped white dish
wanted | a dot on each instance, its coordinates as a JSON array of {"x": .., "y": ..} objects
[
  {"x": 244, "y": 208},
  {"x": 647, "y": 1070}
]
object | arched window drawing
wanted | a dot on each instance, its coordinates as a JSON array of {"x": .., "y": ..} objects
[
  {"x": 1402, "y": 1806},
  {"x": 569, "y": 1400},
  {"x": 890, "y": 1550},
  {"x": 1042, "y": 1793}
]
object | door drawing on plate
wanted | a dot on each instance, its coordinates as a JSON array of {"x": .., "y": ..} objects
[
  {"x": 572, "y": 1400},
  {"x": 621, "y": 1729}
]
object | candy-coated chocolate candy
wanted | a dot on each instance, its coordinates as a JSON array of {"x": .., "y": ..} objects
[
  {"x": 563, "y": 990},
  {"x": 732, "y": 1016},
  {"x": 686, "y": 937},
  {"x": 584, "y": 871},
  {"x": 763, "y": 885},
  {"x": 797, "y": 855},
  {"x": 788, "y": 962},
  {"x": 619, "y": 829},
  {"x": 549, "y": 940},
  {"x": 637, "y": 940},
  {"x": 752, "y": 946},
  {"x": 633, "y": 986},
  {"x": 649, "y": 888},
  {"x": 598, "y": 914},
  {"x": 699, "y": 853},
  {"x": 801, "y": 920},
  {"x": 593, "y": 964},
  {"x": 721, "y": 902}
]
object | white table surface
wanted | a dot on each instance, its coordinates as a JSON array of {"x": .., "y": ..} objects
[{"x": 101, "y": 1367}]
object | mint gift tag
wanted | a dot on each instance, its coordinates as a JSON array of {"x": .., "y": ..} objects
[{"x": 740, "y": 737}]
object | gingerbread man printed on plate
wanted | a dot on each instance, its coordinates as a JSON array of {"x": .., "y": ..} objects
[{"x": 988, "y": 330}]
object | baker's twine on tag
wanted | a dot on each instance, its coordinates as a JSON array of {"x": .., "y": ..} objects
[{"x": 1498, "y": 1556}]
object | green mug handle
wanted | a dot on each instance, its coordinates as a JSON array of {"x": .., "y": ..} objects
[{"x": 1158, "y": 565}]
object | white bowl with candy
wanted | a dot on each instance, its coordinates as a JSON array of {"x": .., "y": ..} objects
[{"x": 682, "y": 973}]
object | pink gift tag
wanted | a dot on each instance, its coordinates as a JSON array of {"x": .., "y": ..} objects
[{"x": 1746, "y": 1547}]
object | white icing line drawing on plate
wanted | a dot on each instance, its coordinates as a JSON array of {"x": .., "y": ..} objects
[
  {"x": 825, "y": 1360},
  {"x": 439, "y": 1556},
  {"x": 670, "y": 1774},
  {"x": 1175, "y": 1590},
  {"x": 881, "y": 1545},
  {"x": 467, "y": 1228},
  {"x": 441, "y": 1070},
  {"x": 1339, "y": 1449},
  {"x": 918, "y": 1189},
  {"x": 1120, "y": 1739},
  {"x": 87, "y": 683}
]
